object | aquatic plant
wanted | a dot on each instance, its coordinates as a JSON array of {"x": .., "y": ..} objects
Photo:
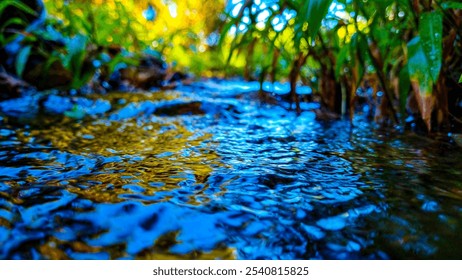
[
  {"x": 403, "y": 45},
  {"x": 8, "y": 24}
]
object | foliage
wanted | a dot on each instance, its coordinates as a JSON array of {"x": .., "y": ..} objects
[
  {"x": 176, "y": 30},
  {"x": 4, "y": 39},
  {"x": 406, "y": 50},
  {"x": 425, "y": 59},
  {"x": 398, "y": 43},
  {"x": 84, "y": 37}
]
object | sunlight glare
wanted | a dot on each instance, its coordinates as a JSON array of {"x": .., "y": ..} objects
[
  {"x": 172, "y": 8},
  {"x": 261, "y": 25},
  {"x": 263, "y": 16},
  {"x": 236, "y": 9}
]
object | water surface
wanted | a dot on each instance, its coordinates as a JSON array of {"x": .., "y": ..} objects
[{"x": 209, "y": 172}]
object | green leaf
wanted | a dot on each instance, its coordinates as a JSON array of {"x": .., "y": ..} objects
[
  {"x": 74, "y": 59},
  {"x": 77, "y": 112},
  {"x": 18, "y": 4},
  {"x": 225, "y": 31},
  {"x": 4, "y": 38},
  {"x": 14, "y": 20},
  {"x": 431, "y": 36},
  {"x": 426, "y": 53},
  {"x": 419, "y": 67},
  {"x": 76, "y": 47},
  {"x": 460, "y": 80},
  {"x": 311, "y": 12},
  {"x": 451, "y": 5},
  {"x": 21, "y": 60},
  {"x": 421, "y": 79}
]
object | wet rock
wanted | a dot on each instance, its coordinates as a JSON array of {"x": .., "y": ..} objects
[
  {"x": 180, "y": 108},
  {"x": 57, "y": 104},
  {"x": 26, "y": 107},
  {"x": 60, "y": 105},
  {"x": 261, "y": 96},
  {"x": 323, "y": 114},
  {"x": 43, "y": 77},
  {"x": 134, "y": 109},
  {"x": 178, "y": 77},
  {"x": 197, "y": 108},
  {"x": 150, "y": 73},
  {"x": 168, "y": 108},
  {"x": 93, "y": 107},
  {"x": 11, "y": 87}
]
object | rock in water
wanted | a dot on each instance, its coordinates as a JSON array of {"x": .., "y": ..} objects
[
  {"x": 150, "y": 73},
  {"x": 10, "y": 87}
]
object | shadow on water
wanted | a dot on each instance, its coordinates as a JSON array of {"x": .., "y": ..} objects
[{"x": 206, "y": 172}]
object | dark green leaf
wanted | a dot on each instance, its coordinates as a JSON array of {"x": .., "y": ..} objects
[
  {"x": 452, "y": 5},
  {"x": 431, "y": 34},
  {"x": 17, "y": 21},
  {"x": 404, "y": 87},
  {"x": 18, "y": 4},
  {"x": 421, "y": 79},
  {"x": 21, "y": 60},
  {"x": 76, "y": 47},
  {"x": 419, "y": 67},
  {"x": 225, "y": 31},
  {"x": 311, "y": 12},
  {"x": 426, "y": 53},
  {"x": 77, "y": 112}
]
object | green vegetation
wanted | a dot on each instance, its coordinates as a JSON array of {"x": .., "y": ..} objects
[
  {"x": 409, "y": 52},
  {"x": 230, "y": 129}
]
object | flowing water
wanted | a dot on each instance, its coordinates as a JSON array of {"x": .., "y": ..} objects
[{"x": 207, "y": 172}]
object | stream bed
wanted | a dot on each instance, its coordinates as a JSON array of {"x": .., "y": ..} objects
[{"x": 208, "y": 172}]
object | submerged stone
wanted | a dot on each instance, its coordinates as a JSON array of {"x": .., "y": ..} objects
[{"x": 23, "y": 107}]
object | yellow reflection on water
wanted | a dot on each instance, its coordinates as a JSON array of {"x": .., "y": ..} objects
[{"x": 130, "y": 156}]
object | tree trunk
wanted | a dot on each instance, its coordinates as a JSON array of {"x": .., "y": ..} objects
[
  {"x": 331, "y": 90},
  {"x": 248, "y": 65},
  {"x": 293, "y": 77},
  {"x": 274, "y": 65}
]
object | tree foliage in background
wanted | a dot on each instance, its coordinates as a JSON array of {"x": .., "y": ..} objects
[
  {"x": 179, "y": 31},
  {"x": 81, "y": 37},
  {"x": 408, "y": 51}
]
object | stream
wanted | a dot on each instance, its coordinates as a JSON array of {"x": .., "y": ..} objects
[{"x": 207, "y": 171}]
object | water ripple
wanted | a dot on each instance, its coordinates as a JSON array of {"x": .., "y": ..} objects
[{"x": 208, "y": 172}]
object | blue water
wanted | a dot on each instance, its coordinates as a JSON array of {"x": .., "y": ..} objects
[{"x": 209, "y": 171}]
